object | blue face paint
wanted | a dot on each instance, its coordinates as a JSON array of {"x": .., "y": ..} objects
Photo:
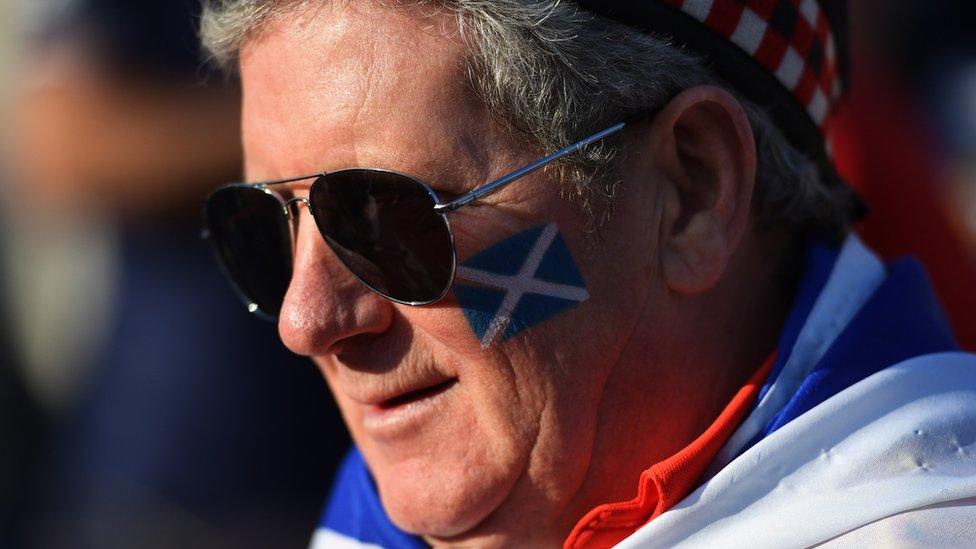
[{"x": 518, "y": 283}]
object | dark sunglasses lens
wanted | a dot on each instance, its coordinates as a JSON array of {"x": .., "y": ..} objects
[
  {"x": 384, "y": 228},
  {"x": 250, "y": 235}
]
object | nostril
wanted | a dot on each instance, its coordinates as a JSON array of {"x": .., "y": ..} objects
[{"x": 321, "y": 310}]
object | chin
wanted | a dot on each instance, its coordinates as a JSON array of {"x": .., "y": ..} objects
[
  {"x": 439, "y": 506},
  {"x": 447, "y": 460},
  {"x": 446, "y": 479}
]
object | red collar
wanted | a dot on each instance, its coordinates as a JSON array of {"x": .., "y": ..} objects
[{"x": 667, "y": 482}]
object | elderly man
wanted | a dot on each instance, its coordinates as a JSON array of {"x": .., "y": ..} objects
[{"x": 649, "y": 328}]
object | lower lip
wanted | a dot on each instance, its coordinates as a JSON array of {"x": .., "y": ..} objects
[{"x": 389, "y": 422}]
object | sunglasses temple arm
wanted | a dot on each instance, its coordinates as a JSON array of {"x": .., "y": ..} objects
[
  {"x": 493, "y": 186},
  {"x": 280, "y": 181}
]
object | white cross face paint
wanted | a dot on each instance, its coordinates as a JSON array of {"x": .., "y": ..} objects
[{"x": 518, "y": 283}]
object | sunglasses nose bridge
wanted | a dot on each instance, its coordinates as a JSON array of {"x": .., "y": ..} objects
[{"x": 291, "y": 207}]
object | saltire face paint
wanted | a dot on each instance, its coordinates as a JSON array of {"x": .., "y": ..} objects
[{"x": 518, "y": 283}]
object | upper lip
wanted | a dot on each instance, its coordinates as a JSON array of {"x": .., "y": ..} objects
[
  {"x": 371, "y": 377},
  {"x": 387, "y": 392}
]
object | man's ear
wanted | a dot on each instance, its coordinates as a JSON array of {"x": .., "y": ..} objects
[{"x": 703, "y": 145}]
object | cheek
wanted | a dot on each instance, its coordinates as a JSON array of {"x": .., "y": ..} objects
[
  {"x": 518, "y": 283},
  {"x": 560, "y": 459},
  {"x": 459, "y": 468}
]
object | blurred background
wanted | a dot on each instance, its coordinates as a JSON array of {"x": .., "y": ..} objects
[{"x": 141, "y": 406}]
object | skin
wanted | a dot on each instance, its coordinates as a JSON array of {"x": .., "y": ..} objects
[{"x": 532, "y": 432}]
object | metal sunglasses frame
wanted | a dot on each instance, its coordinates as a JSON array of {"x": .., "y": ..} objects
[{"x": 442, "y": 208}]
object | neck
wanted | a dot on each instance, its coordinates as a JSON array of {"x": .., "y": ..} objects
[{"x": 681, "y": 368}]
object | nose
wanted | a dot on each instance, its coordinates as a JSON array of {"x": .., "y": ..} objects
[{"x": 325, "y": 303}]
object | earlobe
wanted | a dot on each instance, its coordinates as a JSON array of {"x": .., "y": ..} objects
[{"x": 705, "y": 148}]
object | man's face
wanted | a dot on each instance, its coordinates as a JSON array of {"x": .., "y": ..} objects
[{"x": 463, "y": 441}]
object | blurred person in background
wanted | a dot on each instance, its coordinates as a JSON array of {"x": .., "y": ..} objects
[
  {"x": 191, "y": 426},
  {"x": 22, "y": 428},
  {"x": 906, "y": 140}
]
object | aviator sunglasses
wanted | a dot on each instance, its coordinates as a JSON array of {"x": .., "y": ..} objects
[{"x": 389, "y": 229}]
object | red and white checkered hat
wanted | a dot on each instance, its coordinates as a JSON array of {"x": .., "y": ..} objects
[{"x": 786, "y": 55}]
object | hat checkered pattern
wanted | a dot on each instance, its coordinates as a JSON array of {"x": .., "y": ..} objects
[{"x": 790, "y": 38}]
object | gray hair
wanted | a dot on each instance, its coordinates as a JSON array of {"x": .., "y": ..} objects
[{"x": 554, "y": 73}]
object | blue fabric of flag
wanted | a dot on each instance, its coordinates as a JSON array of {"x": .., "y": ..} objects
[
  {"x": 818, "y": 263},
  {"x": 901, "y": 320},
  {"x": 354, "y": 509}
]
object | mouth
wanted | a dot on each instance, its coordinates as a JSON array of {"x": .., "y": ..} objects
[
  {"x": 415, "y": 396},
  {"x": 399, "y": 416}
]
